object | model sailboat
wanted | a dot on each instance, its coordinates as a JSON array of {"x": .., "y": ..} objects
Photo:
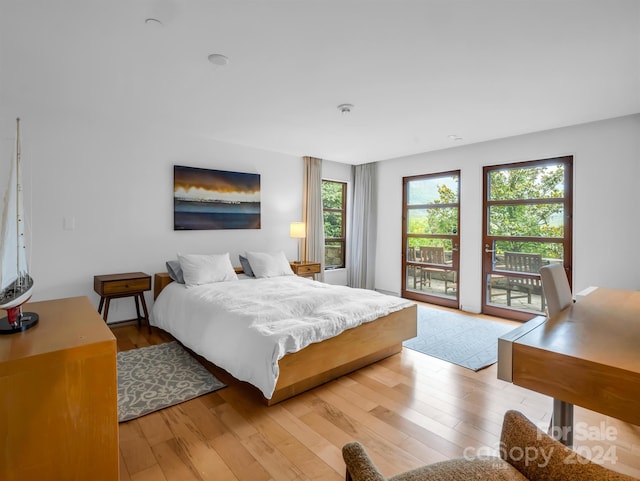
[{"x": 16, "y": 285}]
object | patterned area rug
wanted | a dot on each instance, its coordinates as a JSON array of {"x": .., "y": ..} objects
[
  {"x": 457, "y": 338},
  {"x": 156, "y": 377}
]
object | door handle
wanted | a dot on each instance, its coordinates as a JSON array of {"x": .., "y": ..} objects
[{"x": 487, "y": 250}]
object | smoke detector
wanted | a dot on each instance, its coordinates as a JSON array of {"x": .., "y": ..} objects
[
  {"x": 218, "y": 59},
  {"x": 345, "y": 108}
]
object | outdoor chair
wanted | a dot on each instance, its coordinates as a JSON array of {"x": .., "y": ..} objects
[
  {"x": 526, "y": 453},
  {"x": 413, "y": 270},
  {"x": 435, "y": 255},
  {"x": 521, "y": 287}
]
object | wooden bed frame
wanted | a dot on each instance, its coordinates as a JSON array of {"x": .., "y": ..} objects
[{"x": 321, "y": 362}]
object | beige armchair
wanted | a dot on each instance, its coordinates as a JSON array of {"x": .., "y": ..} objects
[{"x": 526, "y": 453}]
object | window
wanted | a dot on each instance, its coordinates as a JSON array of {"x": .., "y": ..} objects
[{"x": 334, "y": 210}]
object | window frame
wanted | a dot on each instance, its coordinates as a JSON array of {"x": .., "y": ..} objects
[
  {"x": 343, "y": 211},
  {"x": 445, "y": 300}
]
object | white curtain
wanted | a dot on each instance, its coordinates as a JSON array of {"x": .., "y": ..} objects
[
  {"x": 362, "y": 244},
  {"x": 312, "y": 216}
]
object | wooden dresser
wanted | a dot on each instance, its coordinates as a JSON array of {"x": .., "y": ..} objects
[{"x": 59, "y": 396}]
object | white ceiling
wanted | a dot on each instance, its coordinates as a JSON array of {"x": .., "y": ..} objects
[{"x": 416, "y": 71}]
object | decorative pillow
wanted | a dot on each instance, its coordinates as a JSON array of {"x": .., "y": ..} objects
[
  {"x": 264, "y": 264},
  {"x": 200, "y": 269},
  {"x": 175, "y": 271},
  {"x": 246, "y": 267}
]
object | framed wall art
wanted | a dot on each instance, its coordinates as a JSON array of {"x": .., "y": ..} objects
[{"x": 205, "y": 199}]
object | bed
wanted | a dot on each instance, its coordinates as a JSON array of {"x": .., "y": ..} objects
[{"x": 253, "y": 346}]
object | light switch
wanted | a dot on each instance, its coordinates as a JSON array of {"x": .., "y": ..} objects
[{"x": 69, "y": 223}]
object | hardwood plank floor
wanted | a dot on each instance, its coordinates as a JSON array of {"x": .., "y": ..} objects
[{"x": 408, "y": 410}]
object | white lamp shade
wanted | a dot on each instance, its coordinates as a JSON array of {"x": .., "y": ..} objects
[{"x": 298, "y": 230}]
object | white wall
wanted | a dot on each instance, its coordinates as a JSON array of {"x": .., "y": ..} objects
[
  {"x": 606, "y": 225},
  {"x": 114, "y": 181}
]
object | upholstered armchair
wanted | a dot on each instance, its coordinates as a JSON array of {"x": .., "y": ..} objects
[{"x": 526, "y": 453}]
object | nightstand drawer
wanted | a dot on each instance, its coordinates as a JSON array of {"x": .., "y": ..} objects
[
  {"x": 114, "y": 284},
  {"x": 305, "y": 269},
  {"x": 308, "y": 269},
  {"x": 122, "y": 287}
]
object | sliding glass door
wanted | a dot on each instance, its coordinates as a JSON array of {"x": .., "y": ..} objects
[{"x": 431, "y": 238}]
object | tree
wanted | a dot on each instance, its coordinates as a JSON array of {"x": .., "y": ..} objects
[
  {"x": 434, "y": 218},
  {"x": 332, "y": 198},
  {"x": 542, "y": 220}
]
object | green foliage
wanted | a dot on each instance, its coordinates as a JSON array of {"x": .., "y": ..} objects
[
  {"x": 333, "y": 198},
  {"x": 531, "y": 220},
  {"x": 332, "y": 195},
  {"x": 333, "y": 225},
  {"x": 527, "y": 183},
  {"x": 434, "y": 219}
]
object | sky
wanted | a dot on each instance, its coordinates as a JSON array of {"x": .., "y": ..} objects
[{"x": 204, "y": 184}]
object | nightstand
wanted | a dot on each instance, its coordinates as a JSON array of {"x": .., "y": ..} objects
[
  {"x": 130, "y": 284},
  {"x": 305, "y": 268}
]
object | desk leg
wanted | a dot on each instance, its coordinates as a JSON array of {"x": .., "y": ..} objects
[
  {"x": 562, "y": 422},
  {"x": 100, "y": 305}
]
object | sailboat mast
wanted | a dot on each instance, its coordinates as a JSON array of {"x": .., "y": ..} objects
[{"x": 19, "y": 280}]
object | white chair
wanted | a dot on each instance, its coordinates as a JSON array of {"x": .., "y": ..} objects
[{"x": 555, "y": 287}]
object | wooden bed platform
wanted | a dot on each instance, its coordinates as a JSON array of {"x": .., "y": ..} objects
[{"x": 327, "y": 360}]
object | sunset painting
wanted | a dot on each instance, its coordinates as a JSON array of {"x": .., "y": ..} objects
[{"x": 215, "y": 199}]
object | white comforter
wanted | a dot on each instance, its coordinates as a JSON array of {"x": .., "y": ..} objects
[{"x": 246, "y": 326}]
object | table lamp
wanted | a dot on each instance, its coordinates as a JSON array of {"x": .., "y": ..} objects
[{"x": 298, "y": 230}]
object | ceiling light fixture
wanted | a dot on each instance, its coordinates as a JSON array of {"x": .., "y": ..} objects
[
  {"x": 455, "y": 137},
  {"x": 218, "y": 59},
  {"x": 345, "y": 108}
]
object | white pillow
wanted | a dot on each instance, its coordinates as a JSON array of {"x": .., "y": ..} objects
[
  {"x": 200, "y": 269},
  {"x": 269, "y": 264}
]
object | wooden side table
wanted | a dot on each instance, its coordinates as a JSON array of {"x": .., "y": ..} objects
[
  {"x": 306, "y": 268},
  {"x": 130, "y": 284}
]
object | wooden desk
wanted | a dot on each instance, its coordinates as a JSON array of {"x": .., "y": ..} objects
[
  {"x": 59, "y": 396},
  {"x": 588, "y": 355}
]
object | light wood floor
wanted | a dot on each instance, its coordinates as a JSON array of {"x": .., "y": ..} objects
[{"x": 408, "y": 410}]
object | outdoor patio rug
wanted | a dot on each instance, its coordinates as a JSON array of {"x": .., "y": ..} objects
[
  {"x": 457, "y": 338},
  {"x": 156, "y": 377}
]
